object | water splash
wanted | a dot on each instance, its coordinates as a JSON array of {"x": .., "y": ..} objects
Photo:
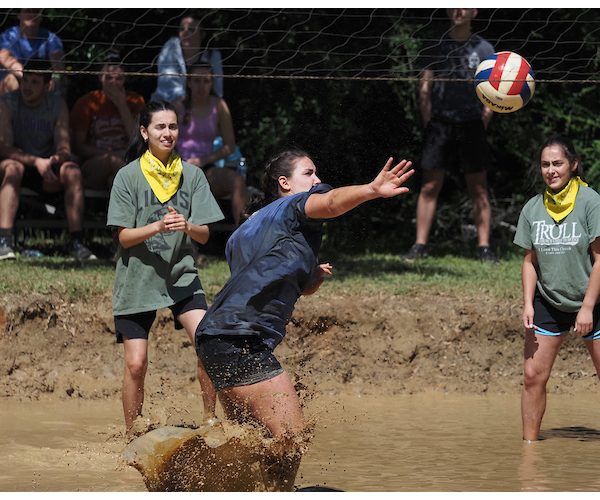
[{"x": 222, "y": 457}]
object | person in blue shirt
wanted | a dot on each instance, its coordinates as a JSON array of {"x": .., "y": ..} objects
[
  {"x": 273, "y": 258},
  {"x": 29, "y": 40}
]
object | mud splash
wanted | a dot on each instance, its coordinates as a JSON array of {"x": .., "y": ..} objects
[{"x": 218, "y": 458}]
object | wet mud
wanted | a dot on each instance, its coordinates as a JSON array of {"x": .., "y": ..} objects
[{"x": 367, "y": 346}]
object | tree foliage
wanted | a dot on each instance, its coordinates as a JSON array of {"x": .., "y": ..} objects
[{"x": 351, "y": 126}]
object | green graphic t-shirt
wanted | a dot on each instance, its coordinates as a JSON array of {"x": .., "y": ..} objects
[
  {"x": 160, "y": 271},
  {"x": 562, "y": 249}
]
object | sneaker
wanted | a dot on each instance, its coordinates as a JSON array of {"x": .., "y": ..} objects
[
  {"x": 486, "y": 255},
  {"x": 6, "y": 250},
  {"x": 81, "y": 252},
  {"x": 417, "y": 251}
]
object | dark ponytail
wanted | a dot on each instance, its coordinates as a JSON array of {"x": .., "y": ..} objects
[
  {"x": 137, "y": 145},
  {"x": 282, "y": 164}
]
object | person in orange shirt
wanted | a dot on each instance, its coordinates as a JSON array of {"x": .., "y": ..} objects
[{"x": 102, "y": 122}]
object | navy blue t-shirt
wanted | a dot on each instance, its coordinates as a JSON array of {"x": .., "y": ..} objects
[
  {"x": 455, "y": 101},
  {"x": 272, "y": 257}
]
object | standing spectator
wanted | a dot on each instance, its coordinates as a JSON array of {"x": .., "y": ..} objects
[
  {"x": 36, "y": 152},
  {"x": 102, "y": 122},
  {"x": 455, "y": 122},
  {"x": 559, "y": 231},
  {"x": 206, "y": 116},
  {"x": 180, "y": 53},
  {"x": 159, "y": 205},
  {"x": 28, "y": 41}
]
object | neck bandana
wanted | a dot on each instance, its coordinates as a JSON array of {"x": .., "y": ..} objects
[
  {"x": 561, "y": 204},
  {"x": 164, "y": 180}
]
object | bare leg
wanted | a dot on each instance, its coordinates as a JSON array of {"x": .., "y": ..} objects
[
  {"x": 274, "y": 403},
  {"x": 540, "y": 353},
  {"x": 136, "y": 365},
  {"x": 482, "y": 211},
  {"x": 70, "y": 178},
  {"x": 427, "y": 203},
  {"x": 11, "y": 175},
  {"x": 593, "y": 347},
  {"x": 190, "y": 321}
]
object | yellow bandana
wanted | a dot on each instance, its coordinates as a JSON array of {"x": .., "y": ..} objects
[
  {"x": 164, "y": 180},
  {"x": 561, "y": 204}
]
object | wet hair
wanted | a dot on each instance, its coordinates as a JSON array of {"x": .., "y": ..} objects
[
  {"x": 38, "y": 65},
  {"x": 281, "y": 164},
  {"x": 187, "y": 101},
  {"x": 569, "y": 150},
  {"x": 137, "y": 146}
]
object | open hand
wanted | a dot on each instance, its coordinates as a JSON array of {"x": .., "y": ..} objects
[{"x": 389, "y": 181}]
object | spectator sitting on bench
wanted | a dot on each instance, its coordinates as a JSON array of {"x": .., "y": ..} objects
[
  {"x": 102, "y": 122},
  {"x": 19, "y": 44},
  {"x": 35, "y": 152},
  {"x": 206, "y": 116}
]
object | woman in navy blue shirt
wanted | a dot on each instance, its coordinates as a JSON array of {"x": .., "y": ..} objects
[{"x": 273, "y": 258}]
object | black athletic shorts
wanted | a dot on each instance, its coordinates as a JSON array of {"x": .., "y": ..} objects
[
  {"x": 235, "y": 360},
  {"x": 34, "y": 181},
  {"x": 137, "y": 326},
  {"x": 455, "y": 147},
  {"x": 550, "y": 321}
]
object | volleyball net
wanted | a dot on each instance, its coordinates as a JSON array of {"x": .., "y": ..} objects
[{"x": 294, "y": 43}]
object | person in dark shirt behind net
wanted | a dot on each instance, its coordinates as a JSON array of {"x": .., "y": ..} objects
[{"x": 455, "y": 122}]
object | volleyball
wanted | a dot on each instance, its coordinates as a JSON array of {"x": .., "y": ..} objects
[{"x": 504, "y": 82}]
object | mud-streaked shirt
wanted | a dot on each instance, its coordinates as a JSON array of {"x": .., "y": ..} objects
[
  {"x": 272, "y": 257},
  {"x": 562, "y": 249},
  {"x": 160, "y": 271}
]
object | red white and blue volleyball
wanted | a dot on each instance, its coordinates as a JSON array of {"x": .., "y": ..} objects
[{"x": 504, "y": 82}]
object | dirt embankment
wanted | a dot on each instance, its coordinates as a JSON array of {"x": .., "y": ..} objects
[{"x": 368, "y": 345}]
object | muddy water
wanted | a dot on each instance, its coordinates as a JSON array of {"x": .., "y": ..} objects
[{"x": 407, "y": 443}]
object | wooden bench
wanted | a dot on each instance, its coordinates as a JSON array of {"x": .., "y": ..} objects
[{"x": 50, "y": 215}]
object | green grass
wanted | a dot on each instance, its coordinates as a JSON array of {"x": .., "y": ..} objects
[
  {"x": 373, "y": 273},
  {"x": 384, "y": 273}
]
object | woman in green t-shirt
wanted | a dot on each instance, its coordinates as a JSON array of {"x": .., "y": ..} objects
[
  {"x": 159, "y": 205},
  {"x": 558, "y": 229}
]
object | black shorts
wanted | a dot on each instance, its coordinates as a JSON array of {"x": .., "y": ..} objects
[
  {"x": 34, "y": 181},
  {"x": 137, "y": 326},
  {"x": 455, "y": 147},
  {"x": 550, "y": 321},
  {"x": 235, "y": 360}
]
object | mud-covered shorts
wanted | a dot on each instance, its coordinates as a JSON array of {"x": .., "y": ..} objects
[{"x": 234, "y": 360}]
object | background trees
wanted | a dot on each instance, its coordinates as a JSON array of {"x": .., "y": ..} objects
[{"x": 342, "y": 84}]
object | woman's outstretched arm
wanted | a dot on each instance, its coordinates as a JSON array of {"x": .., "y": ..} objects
[{"x": 336, "y": 202}]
